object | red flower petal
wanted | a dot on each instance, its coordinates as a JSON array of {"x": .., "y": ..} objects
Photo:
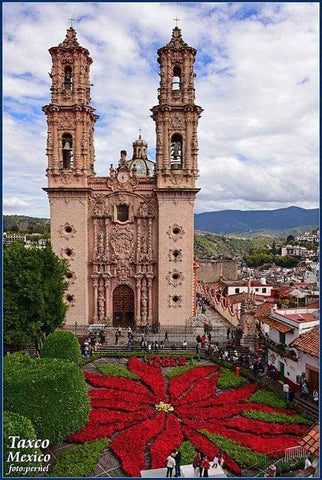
[
  {"x": 261, "y": 443},
  {"x": 101, "y": 416},
  {"x": 200, "y": 390},
  {"x": 207, "y": 447},
  {"x": 183, "y": 382},
  {"x": 236, "y": 395},
  {"x": 114, "y": 399},
  {"x": 129, "y": 445},
  {"x": 118, "y": 383},
  {"x": 150, "y": 375},
  {"x": 259, "y": 427},
  {"x": 168, "y": 440}
]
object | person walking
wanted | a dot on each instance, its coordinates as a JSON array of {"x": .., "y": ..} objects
[
  {"x": 215, "y": 462},
  {"x": 286, "y": 391},
  {"x": 205, "y": 465},
  {"x": 116, "y": 337},
  {"x": 197, "y": 464},
  {"x": 171, "y": 463},
  {"x": 178, "y": 463},
  {"x": 315, "y": 397},
  {"x": 166, "y": 340}
]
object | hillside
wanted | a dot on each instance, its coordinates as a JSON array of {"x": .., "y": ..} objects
[
  {"x": 24, "y": 224},
  {"x": 208, "y": 245},
  {"x": 282, "y": 221}
]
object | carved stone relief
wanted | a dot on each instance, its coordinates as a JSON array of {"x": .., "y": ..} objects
[
  {"x": 175, "y": 278},
  {"x": 67, "y": 230},
  {"x": 122, "y": 242},
  {"x": 175, "y": 232}
]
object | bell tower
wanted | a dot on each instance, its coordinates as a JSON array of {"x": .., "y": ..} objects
[
  {"x": 70, "y": 152},
  {"x": 70, "y": 117},
  {"x": 176, "y": 117}
]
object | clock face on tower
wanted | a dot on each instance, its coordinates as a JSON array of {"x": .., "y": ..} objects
[{"x": 122, "y": 177}]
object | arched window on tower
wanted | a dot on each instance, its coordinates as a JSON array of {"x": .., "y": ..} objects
[
  {"x": 68, "y": 79},
  {"x": 176, "y": 151},
  {"x": 67, "y": 150},
  {"x": 176, "y": 81}
]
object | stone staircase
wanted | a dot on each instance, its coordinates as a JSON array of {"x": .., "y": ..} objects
[{"x": 307, "y": 406}]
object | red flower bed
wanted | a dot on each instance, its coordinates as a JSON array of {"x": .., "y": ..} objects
[
  {"x": 128, "y": 410},
  {"x": 244, "y": 424},
  {"x": 166, "y": 361},
  {"x": 169, "y": 439},
  {"x": 181, "y": 383}
]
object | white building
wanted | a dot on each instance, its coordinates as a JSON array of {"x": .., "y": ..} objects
[{"x": 283, "y": 327}]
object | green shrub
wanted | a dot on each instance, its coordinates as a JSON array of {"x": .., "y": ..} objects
[
  {"x": 52, "y": 393},
  {"x": 289, "y": 465},
  {"x": 174, "y": 372},
  {"x": 188, "y": 452},
  {"x": 242, "y": 455},
  {"x": 274, "y": 417},
  {"x": 267, "y": 397},
  {"x": 62, "y": 345},
  {"x": 116, "y": 371},
  {"x": 227, "y": 379},
  {"x": 79, "y": 461},
  {"x": 17, "y": 425}
]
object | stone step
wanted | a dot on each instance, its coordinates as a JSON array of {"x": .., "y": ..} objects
[{"x": 307, "y": 406}]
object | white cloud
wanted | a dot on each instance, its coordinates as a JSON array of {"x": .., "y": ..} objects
[{"x": 257, "y": 80}]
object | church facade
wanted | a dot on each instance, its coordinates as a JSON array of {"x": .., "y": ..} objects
[{"x": 127, "y": 236}]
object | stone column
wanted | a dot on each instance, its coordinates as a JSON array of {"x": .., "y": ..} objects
[
  {"x": 107, "y": 303},
  {"x": 138, "y": 301},
  {"x": 95, "y": 284},
  {"x": 150, "y": 300}
]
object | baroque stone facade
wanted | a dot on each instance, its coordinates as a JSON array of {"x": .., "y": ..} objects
[{"x": 128, "y": 236}]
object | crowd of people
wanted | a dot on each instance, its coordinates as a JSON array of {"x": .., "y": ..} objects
[
  {"x": 92, "y": 344},
  {"x": 201, "y": 464}
]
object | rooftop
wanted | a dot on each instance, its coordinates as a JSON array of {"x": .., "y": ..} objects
[{"x": 308, "y": 342}]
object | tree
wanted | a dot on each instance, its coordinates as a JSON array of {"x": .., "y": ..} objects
[
  {"x": 290, "y": 240},
  {"x": 34, "y": 285}
]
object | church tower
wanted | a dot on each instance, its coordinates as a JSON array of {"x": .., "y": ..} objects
[
  {"x": 70, "y": 151},
  {"x": 176, "y": 117}
]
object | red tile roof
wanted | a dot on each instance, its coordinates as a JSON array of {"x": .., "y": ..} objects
[
  {"x": 311, "y": 440},
  {"x": 281, "y": 327},
  {"x": 308, "y": 342},
  {"x": 301, "y": 317}
]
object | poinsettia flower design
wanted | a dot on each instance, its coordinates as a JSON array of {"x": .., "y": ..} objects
[{"x": 155, "y": 415}]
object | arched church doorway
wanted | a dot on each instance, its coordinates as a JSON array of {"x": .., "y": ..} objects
[{"x": 123, "y": 306}]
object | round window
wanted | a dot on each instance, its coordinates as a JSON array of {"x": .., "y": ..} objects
[
  {"x": 175, "y": 298},
  {"x": 176, "y": 231},
  {"x": 68, "y": 229},
  {"x": 69, "y": 252},
  {"x": 69, "y": 275},
  {"x": 69, "y": 298},
  {"x": 175, "y": 276}
]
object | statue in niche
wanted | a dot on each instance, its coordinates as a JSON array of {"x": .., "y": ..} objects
[
  {"x": 144, "y": 246},
  {"x": 144, "y": 303},
  {"x": 101, "y": 243},
  {"x": 144, "y": 210}
]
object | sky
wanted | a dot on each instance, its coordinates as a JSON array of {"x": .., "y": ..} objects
[{"x": 257, "y": 81}]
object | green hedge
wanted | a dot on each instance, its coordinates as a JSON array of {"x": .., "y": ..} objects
[
  {"x": 52, "y": 393},
  {"x": 290, "y": 465},
  {"x": 79, "y": 461},
  {"x": 62, "y": 345},
  {"x": 188, "y": 453},
  {"x": 242, "y": 455},
  {"x": 267, "y": 397},
  {"x": 116, "y": 371},
  {"x": 274, "y": 417},
  {"x": 17, "y": 425},
  {"x": 228, "y": 379}
]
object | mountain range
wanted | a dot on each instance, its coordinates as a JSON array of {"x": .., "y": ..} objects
[{"x": 253, "y": 222}]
